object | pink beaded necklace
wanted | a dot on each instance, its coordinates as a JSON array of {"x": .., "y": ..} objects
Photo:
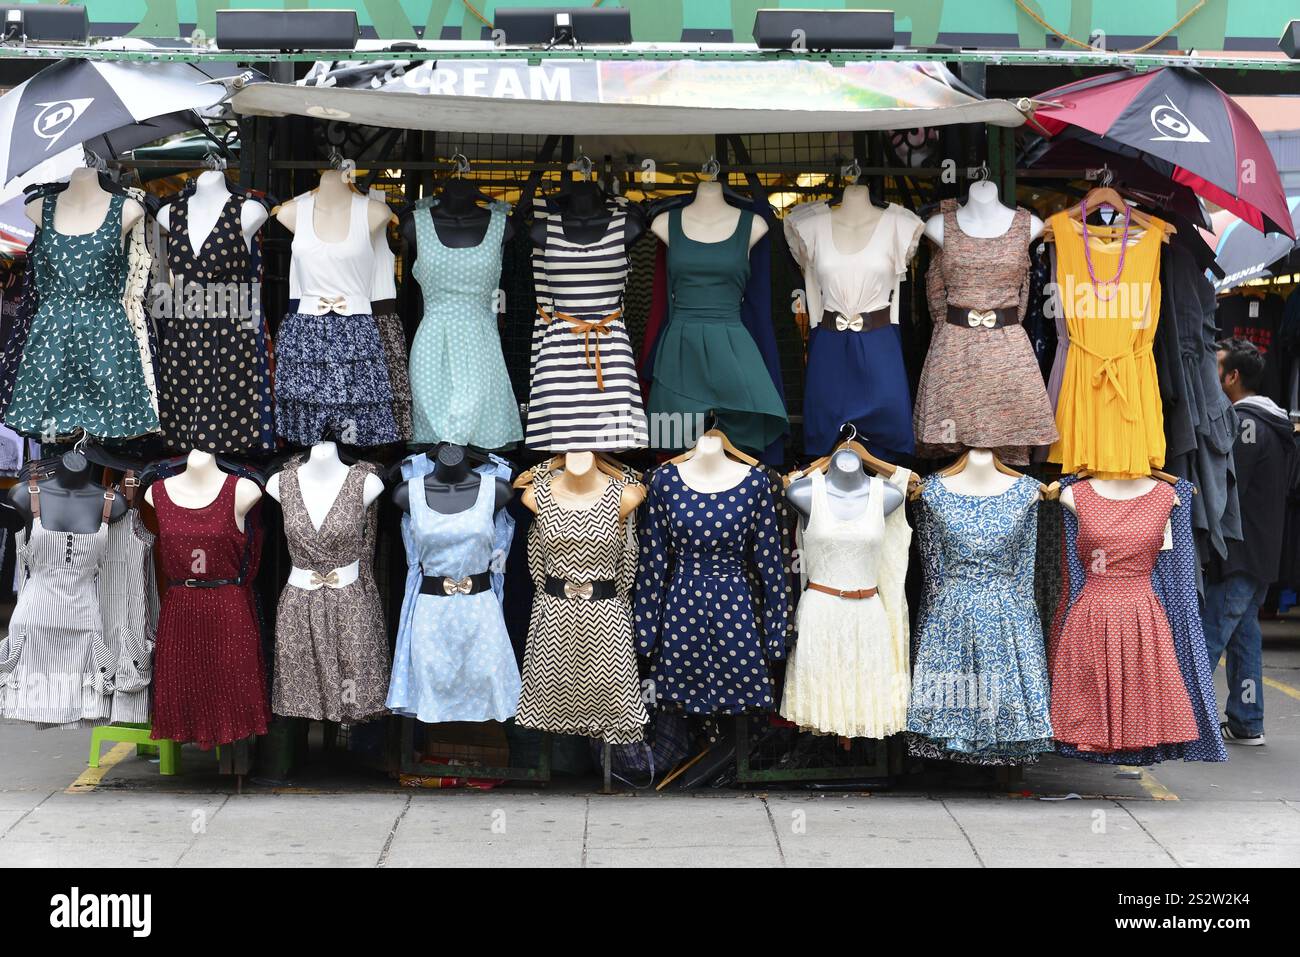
[{"x": 1113, "y": 282}]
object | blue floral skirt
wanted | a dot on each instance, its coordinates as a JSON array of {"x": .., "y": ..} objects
[{"x": 332, "y": 381}]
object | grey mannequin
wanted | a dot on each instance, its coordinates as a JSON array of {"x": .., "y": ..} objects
[
  {"x": 70, "y": 501},
  {"x": 848, "y": 488},
  {"x": 452, "y": 486}
]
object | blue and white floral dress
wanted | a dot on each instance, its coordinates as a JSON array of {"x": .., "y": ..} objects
[{"x": 979, "y": 679}]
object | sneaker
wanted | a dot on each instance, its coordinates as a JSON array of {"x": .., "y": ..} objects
[{"x": 1232, "y": 737}]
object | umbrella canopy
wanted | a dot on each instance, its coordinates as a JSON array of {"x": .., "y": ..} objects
[
  {"x": 1244, "y": 253},
  {"x": 1184, "y": 126},
  {"x": 74, "y": 100}
]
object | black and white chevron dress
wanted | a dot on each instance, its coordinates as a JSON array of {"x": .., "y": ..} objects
[
  {"x": 580, "y": 674},
  {"x": 584, "y": 392}
]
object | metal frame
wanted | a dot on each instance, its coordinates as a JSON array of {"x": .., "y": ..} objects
[
  {"x": 879, "y": 769},
  {"x": 541, "y": 773}
]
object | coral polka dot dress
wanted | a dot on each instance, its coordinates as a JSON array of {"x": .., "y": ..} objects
[
  {"x": 209, "y": 675},
  {"x": 1116, "y": 684}
]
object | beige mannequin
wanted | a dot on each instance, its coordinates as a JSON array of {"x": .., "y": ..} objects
[
  {"x": 1121, "y": 490},
  {"x": 333, "y": 208},
  {"x": 580, "y": 485},
  {"x": 709, "y": 218},
  {"x": 80, "y": 209},
  {"x": 710, "y": 469},
  {"x": 321, "y": 478},
  {"x": 854, "y": 220},
  {"x": 211, "y": 193},
  {"x": 983, "y": 216},
  {"x": 979, "y": 476},
  {"x": 200, "y": 484}
]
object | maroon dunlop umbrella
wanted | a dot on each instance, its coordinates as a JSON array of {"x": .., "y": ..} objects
[{"x": 1182, "y": 125}]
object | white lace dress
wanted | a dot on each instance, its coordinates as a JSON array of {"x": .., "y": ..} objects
[{"x": 848, "y": 673}]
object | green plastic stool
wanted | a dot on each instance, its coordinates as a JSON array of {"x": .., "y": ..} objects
[{"x": 169, "y": 752}]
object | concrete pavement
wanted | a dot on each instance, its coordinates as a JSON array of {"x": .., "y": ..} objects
[{"x": 1065, "y": 813}]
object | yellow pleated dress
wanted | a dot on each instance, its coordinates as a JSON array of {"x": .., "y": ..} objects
[{"x": 1109, "y": 414}]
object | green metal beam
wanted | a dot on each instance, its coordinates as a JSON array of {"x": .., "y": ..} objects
[{"x": 1081, "y": 59}]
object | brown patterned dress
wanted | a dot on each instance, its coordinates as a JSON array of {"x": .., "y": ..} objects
[
  {"x": 981, "y": 388},
  {"x": 331, "y": 648}
]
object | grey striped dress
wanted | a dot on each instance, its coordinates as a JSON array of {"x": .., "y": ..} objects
[
  {"x": 584, "y": 392},
  {"x": 55, "y": 666}
]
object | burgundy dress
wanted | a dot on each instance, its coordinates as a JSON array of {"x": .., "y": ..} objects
[
  {"x": 209, "y": 677},
  {"x": 1116, "y": 684}
]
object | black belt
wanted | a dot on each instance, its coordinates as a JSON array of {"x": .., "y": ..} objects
[
  {"x": 858, "y": 321},
  {"x": 983, "y": 318},
  {"x": 446, "y": 585},
  {"x": 585, "y": 591},
  {"x": 204, "y": 582}
]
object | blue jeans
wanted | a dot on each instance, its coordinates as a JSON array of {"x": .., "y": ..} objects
[{"x": 1231, "y": 623}]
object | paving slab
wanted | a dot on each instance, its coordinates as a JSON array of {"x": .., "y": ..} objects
[
  {"x": 679, "y": 856},
  {"x": 849, "y": 850},
  {"x": 114, "y": 818},
  {"x": 664, "y": 822},
  {"x": 86, "y": 854}
]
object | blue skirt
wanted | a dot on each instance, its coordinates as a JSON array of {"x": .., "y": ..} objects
[{"x": 857, "y": 377}]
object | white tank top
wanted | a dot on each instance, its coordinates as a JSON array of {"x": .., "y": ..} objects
[{"x": 333, "y": 276}]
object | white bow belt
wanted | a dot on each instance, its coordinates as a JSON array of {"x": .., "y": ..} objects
[
  {"x": 338, "y": 304},
  {"x": 858, "y": 321},
  {"x": 310, "y": 580},
  {"x": 982, "y": 318}
]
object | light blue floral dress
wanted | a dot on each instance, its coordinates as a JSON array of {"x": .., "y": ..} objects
[
  {"x": 454, "y": 660},
  {"x": 460, "y": 390},
  {"x": 979, "y": 682}
]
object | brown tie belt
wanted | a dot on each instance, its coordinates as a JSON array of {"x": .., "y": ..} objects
[
  {"x": 840, "y": 592},
  {"x": 587, "y": 329}
]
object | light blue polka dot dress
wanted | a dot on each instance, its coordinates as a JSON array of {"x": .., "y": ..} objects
[
  {"x": 460, "y": 389},
  {"x": 454, "y": 661}
]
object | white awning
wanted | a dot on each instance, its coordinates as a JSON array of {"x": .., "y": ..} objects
[{"x": 644, "y": 97}]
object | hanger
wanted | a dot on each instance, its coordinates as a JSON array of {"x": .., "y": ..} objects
[
  {"x": 727, "y": 447},
  {"x": 1046, "y": 492},
  {"x": 1155, "y": 474},
  {"x": 851, "y": 443},
  {"x": 393, "y": 474},
  {"x": 1107, "y": 195},
  {"x": 605, "y": 463},
  {"x": 852, "y": 174}
]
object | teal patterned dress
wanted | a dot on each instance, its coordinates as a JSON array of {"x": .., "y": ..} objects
[{"x": 81, "y": 364}]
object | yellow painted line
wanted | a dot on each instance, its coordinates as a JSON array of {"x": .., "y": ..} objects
[
  {"x": 1155, "y": 790},
  {"x": 1284, "y": 688},
  {"x": 89, "y": 779}
]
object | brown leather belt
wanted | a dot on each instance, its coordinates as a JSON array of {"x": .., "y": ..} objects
[
  {"x": 982, "y": 318},
  {"x": 840, "y": 592},
  {"x": 856, "y": 322}
]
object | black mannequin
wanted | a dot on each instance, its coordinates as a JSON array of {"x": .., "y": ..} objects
[
  {"x": 70, "y": 501},
  {"x": 452, "y": 486},
  {"x": 459, "y": 219},
  {"x": 585, "y": 217}
]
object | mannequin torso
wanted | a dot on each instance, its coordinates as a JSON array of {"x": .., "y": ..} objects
[
  {"x": 982, "y": 217},
  {"x": 452, "y": 486},
  {"x": 200, "y": 484},
  {"x": 848, "y": 489},
  {"x": 709, "y": 218},
  {"x": 980, "y": 476},
  {"x": 710, "y": 469},
  {"x": 69, "y": 500},
  {"x": 586, "y": 217},
  {"x": 332, "y": 210},
  {"x": 854, "y": 220},
  {"x": 458, "y": 219},
  {"x": 321, "y": 478},
  {"x": 80, "y": 209},
  {"x": 211, "y": 193},
  {"x": 581, "y": 484}
]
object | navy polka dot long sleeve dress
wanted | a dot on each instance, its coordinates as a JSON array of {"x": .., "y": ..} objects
[{"x": 710, "y": 635}]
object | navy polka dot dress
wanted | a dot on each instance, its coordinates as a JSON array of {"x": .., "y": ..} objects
[{"x": 710, "y": 633}]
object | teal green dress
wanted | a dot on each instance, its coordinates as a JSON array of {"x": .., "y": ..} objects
[
  {"x": 706, "y": 360},
  {"x": 81, "y": 364}
]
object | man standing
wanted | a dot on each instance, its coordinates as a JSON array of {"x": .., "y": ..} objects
[{"x": 1263, "y": 452}]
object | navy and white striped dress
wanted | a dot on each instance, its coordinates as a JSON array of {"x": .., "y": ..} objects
[{"x": 584, "y": 389}]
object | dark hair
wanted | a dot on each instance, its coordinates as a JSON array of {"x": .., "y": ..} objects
[{"x": 1243, "y": 357}]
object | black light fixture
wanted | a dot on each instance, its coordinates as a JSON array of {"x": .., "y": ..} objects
[
  {"x": 560, "y": 26},
  {"x": 44, "y": 22},
  {"x": 1290, "y": 42},
  {"x": 287, "y": 29},
  {"x": 824, "y": 29}
]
